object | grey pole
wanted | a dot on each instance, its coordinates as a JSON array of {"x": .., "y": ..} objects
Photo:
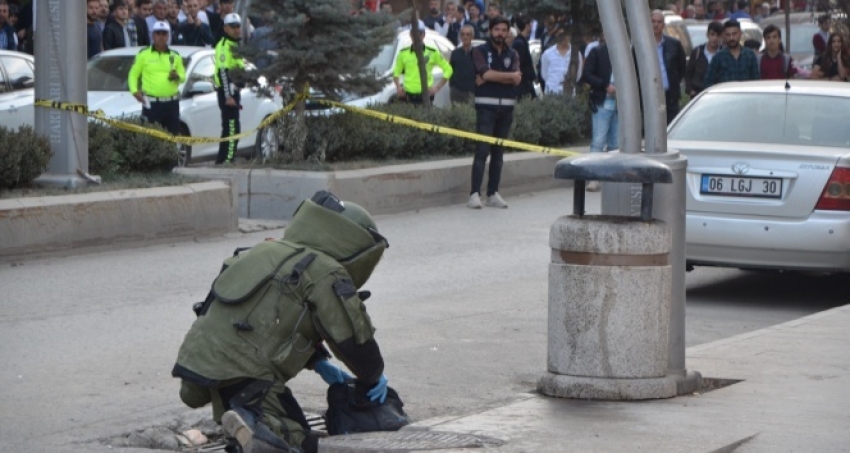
[
  {"x": 625, "y": 78},
  {"x": 670, "y": 198},
  {"x": 652, "y": 91},
  {"x": 243, "y": 7},
  {"x": 669, "y": 206},
  {"x": 60, "y": 75}
]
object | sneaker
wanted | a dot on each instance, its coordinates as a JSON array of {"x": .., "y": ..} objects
[
  {"x": 592, "y": 186},
  {"x": 474, "y": 201},
  {"x": 234, "y": 426},
  {"x": 496, "y": 201}
]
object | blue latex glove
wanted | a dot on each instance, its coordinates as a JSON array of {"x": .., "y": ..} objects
[
  {"x": 379, "y": 391},
  {"x": 330, "y": 373}
]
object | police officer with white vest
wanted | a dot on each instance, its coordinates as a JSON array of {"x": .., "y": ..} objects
[
  {"x": 155, "y": 77},
  {"x": 228, "y": 89},
  {"x": 498, "y": 74},
  {"x": 271, "y": 312}
]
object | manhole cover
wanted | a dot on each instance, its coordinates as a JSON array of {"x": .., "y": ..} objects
[{"x": 402, "y": 441}]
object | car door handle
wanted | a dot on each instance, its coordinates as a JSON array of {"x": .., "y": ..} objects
[{"x": 12, "y": 108}]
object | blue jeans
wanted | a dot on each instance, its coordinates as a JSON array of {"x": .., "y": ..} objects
[{"x": 605, "y": 130}]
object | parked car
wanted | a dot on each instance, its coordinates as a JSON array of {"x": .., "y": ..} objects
[
  {"x": 108, "y": 91},
  {"x": 17, "y": 84},
  {"x": 768, "y": 175},
  {"x": 199, "y": 112},
  {"x": 383, "y": 65}
]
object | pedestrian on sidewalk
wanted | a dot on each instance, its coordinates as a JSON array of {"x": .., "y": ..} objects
[
  {"x": 160, "y": 71},
  {"x": 498, "y": 75},
  {"x": 270, "y": 313},
  {"x": 462, "y": 83}
]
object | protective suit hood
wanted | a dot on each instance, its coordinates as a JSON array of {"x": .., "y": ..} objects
[{"x": 340, "y": 229}]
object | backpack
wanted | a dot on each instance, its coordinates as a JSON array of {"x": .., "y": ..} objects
[{"x": 350, "y": 410}]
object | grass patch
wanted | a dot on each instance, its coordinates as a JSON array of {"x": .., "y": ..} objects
[{"x": 110, "y": 182}]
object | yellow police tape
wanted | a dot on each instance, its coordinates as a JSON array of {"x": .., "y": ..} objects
[
  {"x": 186, "y": 140},
  {"x": 99, "y": 115}
]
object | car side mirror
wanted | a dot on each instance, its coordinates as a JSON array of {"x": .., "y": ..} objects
[
  {"x": 28, "y": 82},
  {"x": 200, "y": 87}
]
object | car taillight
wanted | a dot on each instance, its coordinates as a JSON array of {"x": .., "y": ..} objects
[{"x": 836, "y": 193}]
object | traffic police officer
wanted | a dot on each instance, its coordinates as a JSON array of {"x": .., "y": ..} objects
[
  {"x": 406, "y": 63},
  {"x": 267, "y": 316},
  {"x": 229, "y": 99},
  {"x": 160, "y": 71}
]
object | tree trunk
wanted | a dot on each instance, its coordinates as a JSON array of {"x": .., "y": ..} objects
[{"x": 295, "y": 136}]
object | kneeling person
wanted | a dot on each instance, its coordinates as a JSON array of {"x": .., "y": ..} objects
[{"x": 267, "y": 316}]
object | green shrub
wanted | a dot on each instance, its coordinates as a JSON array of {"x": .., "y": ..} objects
[
  {"x": 550, "y": 121},
  {"x": 103, "y": 159},
  {"x": 114, "y": 150},
  {"x": 24, "y": 156}
]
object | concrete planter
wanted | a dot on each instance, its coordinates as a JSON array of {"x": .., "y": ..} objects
[
  {"x": 32, "y": 227},
  {"x": 274, "y": 194}
]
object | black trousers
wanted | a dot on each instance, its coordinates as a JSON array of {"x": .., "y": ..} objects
[
  {"x": 672, "y": 101},
  {"x": 166, "y": 114},
  {"x": 230, "y": 126},
  {"x": 495, "y": 122},
  {"x": 416, "y": 98}
]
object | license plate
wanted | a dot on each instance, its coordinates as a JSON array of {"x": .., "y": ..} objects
[{"x": 741, "y": 186}]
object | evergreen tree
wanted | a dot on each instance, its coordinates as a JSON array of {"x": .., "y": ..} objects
[{"x": 320, "y": 43}]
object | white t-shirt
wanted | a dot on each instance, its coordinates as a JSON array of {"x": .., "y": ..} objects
[{"x": 554, "y": 68}]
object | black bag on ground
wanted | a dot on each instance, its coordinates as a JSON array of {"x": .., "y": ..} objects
[{"x": 350, "y": 411}]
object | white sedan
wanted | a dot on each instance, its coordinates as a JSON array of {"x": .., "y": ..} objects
[
  {"x": 768, "y": 175},
  {"x": 17, "y": 84},
  {"x": 383, "y": 65},
  {"x": 199, "y": 112},
  {"x": 108, "y": 91}
]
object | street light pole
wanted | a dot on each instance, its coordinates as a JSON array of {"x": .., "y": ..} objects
[
  {"x": 60, "y": 75},
  {"x": 669, "y": 206}
]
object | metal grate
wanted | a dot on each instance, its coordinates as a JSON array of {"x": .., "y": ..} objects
[{"x": 402, "y": 441}]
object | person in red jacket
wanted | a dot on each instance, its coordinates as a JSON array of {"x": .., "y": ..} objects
[{"x": 820, "y": 38}]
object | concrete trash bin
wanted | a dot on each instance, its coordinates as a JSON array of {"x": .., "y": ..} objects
[{"x": 609, "y": 292}]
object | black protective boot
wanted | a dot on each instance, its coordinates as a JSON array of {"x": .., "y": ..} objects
[{"x": 252, "y": 437}]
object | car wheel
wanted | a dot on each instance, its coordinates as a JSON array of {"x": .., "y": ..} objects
[
  {"x": 267, "y": 144},
  {"x": 184, "y": 152}
]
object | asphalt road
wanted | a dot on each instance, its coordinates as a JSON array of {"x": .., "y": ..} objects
[{"x": 87, "y": 342}]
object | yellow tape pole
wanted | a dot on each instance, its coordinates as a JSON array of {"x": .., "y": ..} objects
[{"x": 450, "y": 131}]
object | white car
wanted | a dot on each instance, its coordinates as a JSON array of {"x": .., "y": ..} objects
[
  {"x": 17, "y": 88},
  {"x": 108, "y": 91},
  {"x": 768, "y": 175},
  {"x": 383, "y": 65},
  {"x": 199, "y": 112}
]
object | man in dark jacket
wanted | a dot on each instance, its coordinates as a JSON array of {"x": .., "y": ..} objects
[
  {"x": 144, "y": 8},
  {"x": 599, "y": 74},
  {"x": 115, "y": 33},
  {"x": 462, "y": 83},
  {"x": 193, "y": 32},
  {"x": 526, "y": 65},
  {"x": 673, "y": 64},
  {"x": 700, "y": 59}
]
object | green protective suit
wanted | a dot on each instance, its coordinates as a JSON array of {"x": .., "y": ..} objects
[{"x": 271, "y": 309}]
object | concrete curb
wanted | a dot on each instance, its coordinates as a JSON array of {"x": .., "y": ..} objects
[
  {"x": 274, "y": 194},
  {"x": 34, "y": 227}
]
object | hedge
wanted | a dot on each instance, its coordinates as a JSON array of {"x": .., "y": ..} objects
[
  {"x": 550, "y": 121},
  {"x": 24, "y": 156},
  {"x": 113, "y": 151}
]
